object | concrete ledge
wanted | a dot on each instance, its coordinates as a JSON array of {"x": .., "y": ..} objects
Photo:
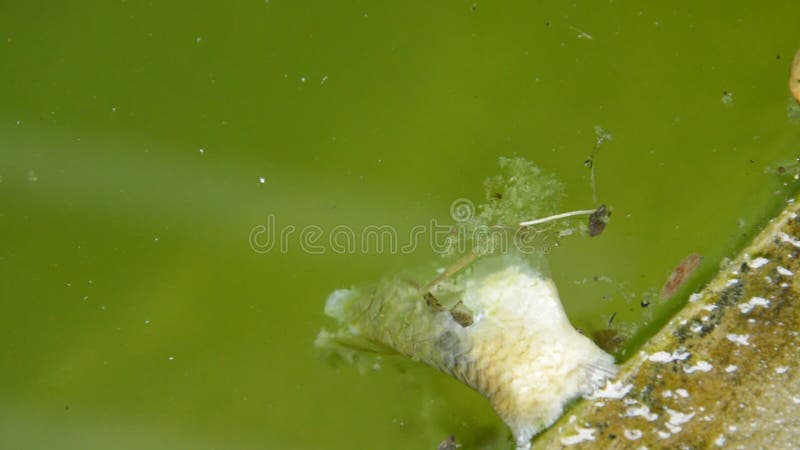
[{"x": 725, "y": 372}]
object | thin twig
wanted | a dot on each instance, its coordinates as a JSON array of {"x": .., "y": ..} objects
[
  {"x": 463, "y": 262},
  {"x": 583, "y": 212}
]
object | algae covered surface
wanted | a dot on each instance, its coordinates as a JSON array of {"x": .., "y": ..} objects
[
  {"x": 723, "y": 373},
  {"x": 172, "y": 177}
]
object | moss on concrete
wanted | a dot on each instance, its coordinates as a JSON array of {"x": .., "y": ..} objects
[{"x": 724, "y": 372}]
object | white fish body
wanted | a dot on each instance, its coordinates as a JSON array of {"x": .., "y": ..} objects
[{"x": 520, "y": 351}]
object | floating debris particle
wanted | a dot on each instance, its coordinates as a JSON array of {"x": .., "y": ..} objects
[
  {"x": 727, "y": 98},
  {"x": 679, "y": 276},
  {"x": 598, "y": 220},
  {"x": 32, "y": 177},
  {"x": 448, "y": 444},
  {"x": 262, "y": 180}
]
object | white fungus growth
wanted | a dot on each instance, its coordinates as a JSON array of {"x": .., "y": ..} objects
[
  {"x": 786, "y": 238},
  {"x": 664, "y": 357},
  {"x": 632, "y": 435},
  {"x": 701, "y": 366},
  {"x": 758, "y": 262},
  {"x": 583, "y": 434},
  {"x": 641, "y": 411},
  {"x": 749, "y": 305},
  {"x": 738, "y": 339},
  {"x": 611, "y": 390}
]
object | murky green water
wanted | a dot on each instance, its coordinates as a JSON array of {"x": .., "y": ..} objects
[{"x": 141, "y": 143}]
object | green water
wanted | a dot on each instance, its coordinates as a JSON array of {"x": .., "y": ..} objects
[{"x": 135, "y": 313}]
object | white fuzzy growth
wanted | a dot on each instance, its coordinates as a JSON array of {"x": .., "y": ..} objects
[
  {"x": 334, "y": 306},
  {"x": 748, "y": 306},
  {"x": 758, "y": 262},
  {"x": 664, "y": 357},
  {"x": 535, "y": 361}
]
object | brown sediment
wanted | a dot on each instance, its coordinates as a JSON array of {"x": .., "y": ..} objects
[
  {"x": 794, "y": 78},
  {"x": 679, "y": 276}
]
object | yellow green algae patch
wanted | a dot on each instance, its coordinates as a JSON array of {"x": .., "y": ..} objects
[{"x": 723, "y": 373}]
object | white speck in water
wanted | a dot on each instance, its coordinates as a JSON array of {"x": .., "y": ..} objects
[
  {"x": 748, "y": 306},
  {"x": 85, "y": 298},
  {"x": 786, "y": 238},
  {"x": 667, "y": 394},
  {"x": 781, "y": 369},
  {"x": 720, "y": 441},
  {"x": 695, "y": 297},
  {"x": 201, "y": 150},
  {"x": 664, "y": 357},
  {"x": 710, "y": 308},
  {"x": 102, "y": 307},
  {"x": 632, "y": 435},
  {"x": 663, "y": 434},
  {"x": 147, "y": 322},
  {"x": 784, "y": 271},
  {"x": 113, "y": 109},
  {"x": 155, "y": 239},
  {"x": 612, "y": 390},
  {"x": 32, "y": 177},
  {"x": 738, "y": 339},
  {"x": 796, "y": 400},
  {"x": 758, "y": 262},
  {"x": 262, "y": 180},
  {"x": 732, "y": 282},
  {"x": 584, "y": 434},
  {"x": 683, "y": 393},
  {"x": 324, "y": 79},
  {"x": 198, "y": 39},
  {"x": 701, "y": 366},
  {"x": 732, "y": 368},
  {"x": 170, "y": 358},
  {"x": 302, "y": 79},
  {"x": 727, "y": 98}
]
